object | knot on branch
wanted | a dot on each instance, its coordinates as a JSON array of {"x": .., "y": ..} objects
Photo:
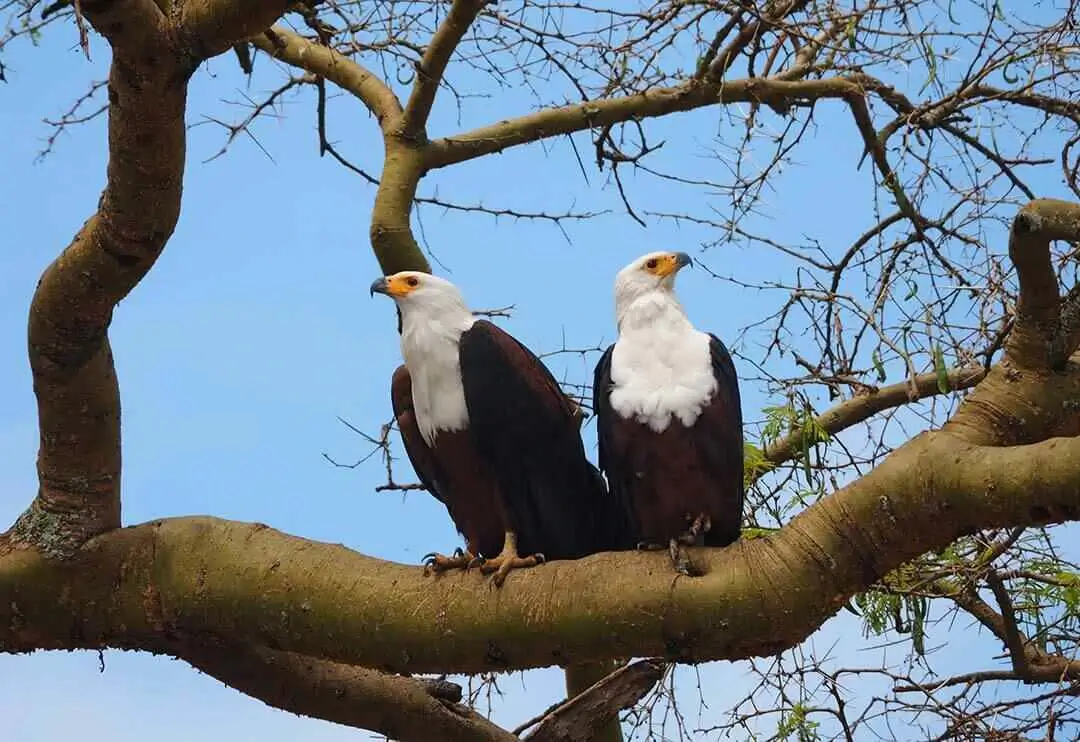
[
  {"x": 1026, "y": 222},
  {"x": 443, "y": 690}
]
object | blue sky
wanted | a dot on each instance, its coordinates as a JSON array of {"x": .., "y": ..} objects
[{"x": 255, "y": 331}]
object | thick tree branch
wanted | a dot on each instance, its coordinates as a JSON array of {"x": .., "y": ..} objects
[
  {"x": 1035, "y": 340},
  {"x": 401, "y": 708},
  {"x": 133, "y": 26},
  {"x": 578, "y": 718},
  {"x": 251, "y": 584},
  {"x": 551, "y": 122},
  {"x": 346, "y": 73},
  {"x": 864, "y": 406},
  {"x": 430, "y": 70},
  {"x": 214, "y": 26},
  {"x": 74, "y": 377}
]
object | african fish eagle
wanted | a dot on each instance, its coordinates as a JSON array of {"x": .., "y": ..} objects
[
  {"x": 669, "y": 419},
  {"x": 492, "y": 436}
]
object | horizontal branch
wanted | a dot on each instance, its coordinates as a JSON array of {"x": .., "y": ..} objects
[
  {"x": 247, "y": 583},
  {"x": 864, "y": 406},
  {"x": 551, "y": 122},
  {"x": 976, "y": 678},
  {"x": 405, "y": 709},
  {"x": 346, "y": 73}
]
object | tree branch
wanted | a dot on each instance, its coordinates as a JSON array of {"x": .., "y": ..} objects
[
  {"x": 864, "y": 406},
  {"x": 203, "y": 577},
  {"x": 130, "y": 26},
  {"x": 346, "y": 73},
  {"x": 1013, "y": 640},
  {"x": 214, "y": 26},
  {"x": 1035, "y": 336},
  {"x": 430, "y": 70},
  {"x": 70, "y": 358},
  {"x": 974, "y": 678},
  {"x": 551, "y": 122},
  {"x": 578, "y": 718},
  {"x": 405, "y": 709}
]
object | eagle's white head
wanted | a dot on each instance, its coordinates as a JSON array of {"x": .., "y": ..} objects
[
  {"x": 648, "y": 282},
  {"x": 422, "y": 295},
  {"x": 433, "y": 317},
  {"x": 661, "y": 366}
]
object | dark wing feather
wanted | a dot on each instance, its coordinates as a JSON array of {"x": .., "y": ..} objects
[
  {"x": 527, "y": 428},
  {"x": 718, "y": 434},
  {"x": 420, "y": 454},
  {"x": 610, "y": 449}
]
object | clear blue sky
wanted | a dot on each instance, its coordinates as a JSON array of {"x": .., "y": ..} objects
[{"x": 255, "y": 331}]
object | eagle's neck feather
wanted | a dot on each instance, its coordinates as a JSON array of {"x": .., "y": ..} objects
[
  {"x": 430, "y": 346},
  {"x": 661, "y": 367}
]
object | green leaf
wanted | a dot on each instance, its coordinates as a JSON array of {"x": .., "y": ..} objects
[
  {"x": 931, "y": 63},
  {"x": 940, "y": 370},
  {"x": 913, "y": 289},
  {"x": 878, "y": 366},
  {"x": 1011, "y": 79}
]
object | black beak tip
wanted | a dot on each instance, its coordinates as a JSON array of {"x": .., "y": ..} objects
[
  {"x": 683, "y": 260},
  {"x": 378, "y": 286}
]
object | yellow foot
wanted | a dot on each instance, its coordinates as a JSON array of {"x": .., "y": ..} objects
[{"x": 504, "y": 563}]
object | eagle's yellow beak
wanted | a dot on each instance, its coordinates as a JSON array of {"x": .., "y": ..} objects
[
  {"x": 668, "y": 264},
  {"x": 395, "y": 286}
]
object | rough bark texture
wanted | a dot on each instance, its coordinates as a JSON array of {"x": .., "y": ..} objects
[{"x": 205, "y": 577}]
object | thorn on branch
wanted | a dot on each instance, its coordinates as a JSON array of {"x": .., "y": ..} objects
[
  {"x": 243, "y": 57},
  {"x": 497, "y": 312}
]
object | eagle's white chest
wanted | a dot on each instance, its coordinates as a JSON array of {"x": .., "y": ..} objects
[
  {"x": 431, "y": 353},
  {"x": 661, "y": 368}
]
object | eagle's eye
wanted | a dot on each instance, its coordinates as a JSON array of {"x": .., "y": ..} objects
[
  {"x": 651, "y": 265},
  {"x": 412, "y": 281}
]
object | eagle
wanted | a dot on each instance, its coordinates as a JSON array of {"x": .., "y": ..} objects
[
  {"x": 669, "y": 417},
  {"x": 493, "y": 437}
]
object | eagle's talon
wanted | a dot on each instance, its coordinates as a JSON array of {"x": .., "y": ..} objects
[
  {"x": 508, "y": 560},
  {"x": 680, "y": 560},
  {"x": 436, "y": 562},
  {"x": 503, "y": 565}
]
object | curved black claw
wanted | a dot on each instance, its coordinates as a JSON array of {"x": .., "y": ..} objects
[{"x": 435, "y": 562}]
